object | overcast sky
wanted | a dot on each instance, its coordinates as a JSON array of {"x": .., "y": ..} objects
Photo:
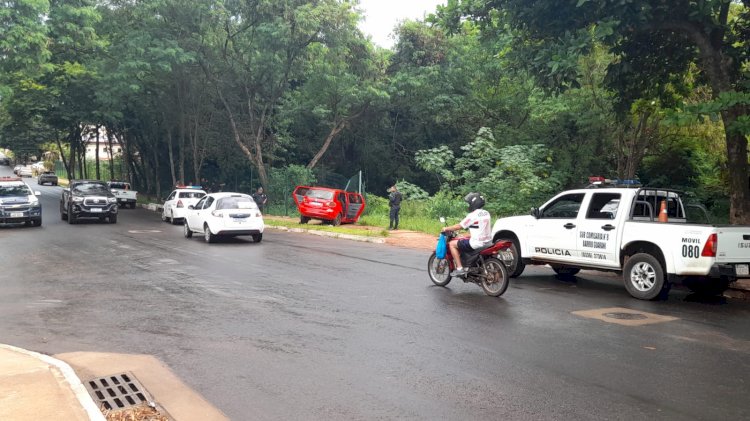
[{"x": 382, "y": 15}]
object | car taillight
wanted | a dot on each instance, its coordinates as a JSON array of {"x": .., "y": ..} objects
[
  {"x": 331, "y": 204},
  {"x": 179, "y": 204},
  {"x": 709, "y": 250}
]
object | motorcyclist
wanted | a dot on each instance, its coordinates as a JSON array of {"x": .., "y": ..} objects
[{"x": 480, "y": 232}]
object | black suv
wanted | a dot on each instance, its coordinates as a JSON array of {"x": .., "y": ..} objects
[
  {"x": 88, "y": 199},
  {"x": 47, "y": 177}
]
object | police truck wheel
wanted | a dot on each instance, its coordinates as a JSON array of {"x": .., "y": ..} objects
[
  {"x": 439, "y": 270},
  {"x": 644, "y": 276}
]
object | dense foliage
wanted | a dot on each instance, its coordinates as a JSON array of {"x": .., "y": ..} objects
[{"x": 516, "y": 99}]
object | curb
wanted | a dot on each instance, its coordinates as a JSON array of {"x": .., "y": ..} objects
[
  {"x": 156, "y": 207},
  {"x": 361, "y": 238},
  {"x": 78, "y": 389}
]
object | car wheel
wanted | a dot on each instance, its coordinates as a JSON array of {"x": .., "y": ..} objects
[
  {"x": 186, "y": 230},
  {"x": 113, "y": 219},
  {"x": 63, "y": 215},
  {"x": 164, "y": 216},
  {"x": 208, "y": 235},
  {"x": 132, "y": 205},
  {"x": 644, "y": 276},
  {"x": 37, "y": 222},
  {"x": 304, "y": 219},
  {"x": 71, "y": 216},
  {"x": 257, "y": 238},
  {"x": 336, "y": 221}
]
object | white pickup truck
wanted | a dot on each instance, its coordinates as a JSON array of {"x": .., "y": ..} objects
[
  {"x": 618, "y": 229},
  {"x": 124, "y": 194}
]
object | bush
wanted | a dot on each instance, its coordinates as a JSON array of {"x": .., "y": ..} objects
[{"x": 411, "y": 191}]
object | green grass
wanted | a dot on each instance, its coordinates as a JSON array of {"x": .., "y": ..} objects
[
  {"x": 328, "y": 228},
  {"x": 413, "y": 223}
]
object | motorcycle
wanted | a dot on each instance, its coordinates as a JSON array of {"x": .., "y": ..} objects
[{"x": 485, "y": 266}]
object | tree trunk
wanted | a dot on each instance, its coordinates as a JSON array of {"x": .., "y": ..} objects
[
  {"x": 171, "y": 157},
  {"x": 98, "y": 174},
  {"x": 717, "y": 68},
  {"x": 737, "y": 165},
  {"x": 335, "y": 130},
  {"x": 181, "y": 148},
  {"x": 111, "y": 155},
  {"x": 62, "y": 155},
  {"x": 255, "y": 157},
  {"x": 157, "y": 181},
  {"x": 73, "y": 156}
]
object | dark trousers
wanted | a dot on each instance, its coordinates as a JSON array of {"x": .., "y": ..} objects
[{"x": 394, "y": 217}]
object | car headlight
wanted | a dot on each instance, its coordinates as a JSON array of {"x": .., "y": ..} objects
[
  {"x": 34, "y": 203},
  {"x": 112, "y": 199},
  {"x": 77, "y": 199}
]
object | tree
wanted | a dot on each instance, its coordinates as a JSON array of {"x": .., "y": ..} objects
[{"x": 655, "y": 43}]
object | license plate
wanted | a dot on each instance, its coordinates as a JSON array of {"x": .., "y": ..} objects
[
  {"x": 316, "y": 204},
  {"x": 238, "y": 220},
  {"x": 741, "y": 270},
  {"x": 16, "y": 214},
  {"x": 95, "y": 210}
]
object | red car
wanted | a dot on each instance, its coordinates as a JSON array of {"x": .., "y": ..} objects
[{"x": 329, "y": 205}]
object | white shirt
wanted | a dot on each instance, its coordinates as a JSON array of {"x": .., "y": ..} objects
[{"x": 478, "y": 224}]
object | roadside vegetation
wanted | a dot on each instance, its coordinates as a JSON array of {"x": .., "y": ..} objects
[{"x": 515, "y": 99}]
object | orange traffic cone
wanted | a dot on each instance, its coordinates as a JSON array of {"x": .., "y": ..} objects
[{"x": 663, "y": 212}]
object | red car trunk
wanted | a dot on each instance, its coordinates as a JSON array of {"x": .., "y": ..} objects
[{"x": 329, "y": 205}]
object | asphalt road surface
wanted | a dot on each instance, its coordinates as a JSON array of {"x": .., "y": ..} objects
[{"x": 305, "y": 327}]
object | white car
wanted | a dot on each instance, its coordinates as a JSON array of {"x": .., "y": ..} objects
[
  {"x": 26, "y": 171},
  {"x": 177, "y": 203},
  {"x": 224, "y": 214}
]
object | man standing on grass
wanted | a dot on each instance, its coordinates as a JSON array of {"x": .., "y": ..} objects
[
  {"x": 394, "y": 202},
  {"x": 260, "y": 199}
]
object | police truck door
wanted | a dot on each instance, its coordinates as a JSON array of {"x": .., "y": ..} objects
[
  {"x": 596, "y": 243},
  {"x": 553, "y": 236}
]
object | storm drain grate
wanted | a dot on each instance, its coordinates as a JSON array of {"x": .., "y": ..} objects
[
  {"x": 117, "y": 391},
  {"x": 626, "y": 316}
]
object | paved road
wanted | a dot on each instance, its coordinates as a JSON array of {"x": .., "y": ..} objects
[{"x": 304, "y": 327}]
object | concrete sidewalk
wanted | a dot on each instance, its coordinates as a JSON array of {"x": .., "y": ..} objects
[{"x": 38, "y": 387}]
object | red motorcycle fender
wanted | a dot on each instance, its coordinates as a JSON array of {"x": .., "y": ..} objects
[{"x": 500, "y": 245}]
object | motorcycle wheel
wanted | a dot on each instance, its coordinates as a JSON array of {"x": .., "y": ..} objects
[
  {"x": 495, "y": 282},
  {"x": 439, "y": 270}
]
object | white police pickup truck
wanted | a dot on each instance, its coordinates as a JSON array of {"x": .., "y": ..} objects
[
  {"x": 643, "y": 233},
  {"x": 124, "y": 194}
]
